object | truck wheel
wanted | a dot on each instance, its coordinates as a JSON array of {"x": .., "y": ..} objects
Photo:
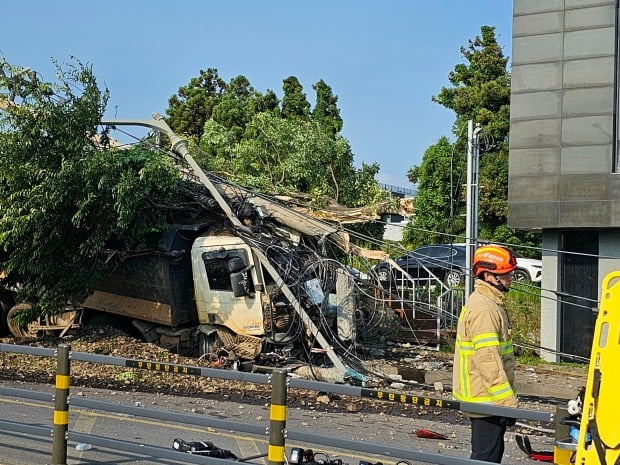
[
  {"x": 28, "y": 331},
  {"x": 210, "y": 344},
  {"x": 5, "y": 306}
]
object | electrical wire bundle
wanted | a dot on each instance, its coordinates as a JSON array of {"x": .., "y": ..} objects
[{"x": 316, "y": 259}]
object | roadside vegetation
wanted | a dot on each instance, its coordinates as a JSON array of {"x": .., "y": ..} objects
[
  {"x": 479, "y": 91},
  {"x": 523, "y": 307}
]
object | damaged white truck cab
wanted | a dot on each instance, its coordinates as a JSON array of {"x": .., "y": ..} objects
[{"x": 228, "y": 284}]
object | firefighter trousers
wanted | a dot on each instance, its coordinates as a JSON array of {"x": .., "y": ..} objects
[{"x": 487, "y": 438}]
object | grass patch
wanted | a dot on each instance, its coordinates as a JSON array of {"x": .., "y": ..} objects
[
  {"x": 523, "y": 308},
  {"x": 567, "y": 367},
  {"x": 529, "y": 358}
]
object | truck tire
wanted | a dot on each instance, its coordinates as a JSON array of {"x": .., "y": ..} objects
[
  {"x": 101, "y": 320},
  {"x": 21, "y": 331},
  {"x": 209, "y": 344},
  {"x": 5, "y": 306}
]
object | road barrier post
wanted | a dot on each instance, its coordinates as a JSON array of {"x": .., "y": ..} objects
[
  {"x": 61, "y": 407},
  {"x": 277, "y": 418}
]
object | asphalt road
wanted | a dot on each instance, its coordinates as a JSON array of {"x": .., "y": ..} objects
[{"x": 384, "y": 426}]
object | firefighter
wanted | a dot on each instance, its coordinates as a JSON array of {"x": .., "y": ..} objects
[{"x": 484, "y": 358}]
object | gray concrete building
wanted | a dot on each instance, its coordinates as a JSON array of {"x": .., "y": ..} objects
[{"x": 564, "y": 169}]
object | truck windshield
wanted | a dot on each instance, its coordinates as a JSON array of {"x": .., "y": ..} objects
[
  {"x": 217, "y": 267},
  {"x": 217, "y": 274}
]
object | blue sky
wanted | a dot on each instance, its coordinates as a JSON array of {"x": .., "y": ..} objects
[{"x": 383, "y": 59}]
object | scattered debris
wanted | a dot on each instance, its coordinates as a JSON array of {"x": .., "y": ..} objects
[
  {"x": 524, "y": 444},
  {"x": 428, "y": 434}
]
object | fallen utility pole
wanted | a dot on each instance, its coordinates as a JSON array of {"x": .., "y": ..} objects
[{"x": 179, "y": 147}]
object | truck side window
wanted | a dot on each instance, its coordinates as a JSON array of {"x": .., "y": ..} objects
[{"x": 217, "y": 274}]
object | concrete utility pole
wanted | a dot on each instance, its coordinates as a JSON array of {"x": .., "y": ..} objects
[
  {"x": 471, "y": 218},
  {"x": 179, "y": 146}
]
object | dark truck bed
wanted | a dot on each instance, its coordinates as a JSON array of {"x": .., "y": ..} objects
[{"x": 156, "y": 286}]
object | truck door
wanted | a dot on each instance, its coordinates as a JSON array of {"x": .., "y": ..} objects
[{"x": 224, "y": 278}]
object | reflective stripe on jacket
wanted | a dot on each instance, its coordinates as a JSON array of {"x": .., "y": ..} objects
[{"x": 484, "y": 358}]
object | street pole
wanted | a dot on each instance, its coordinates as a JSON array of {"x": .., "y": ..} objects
[
  {"x": 471, "y": 217},
  {"x": 277, "y": 418},
  {"x": 61, "y": 406}
]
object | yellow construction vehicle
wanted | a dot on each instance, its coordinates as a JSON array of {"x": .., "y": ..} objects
[
  {"x": 599, "y": 432},
  {"x": 594, "y": 414}
]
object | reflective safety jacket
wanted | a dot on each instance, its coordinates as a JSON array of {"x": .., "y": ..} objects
[{"x": 484, "y": 358}]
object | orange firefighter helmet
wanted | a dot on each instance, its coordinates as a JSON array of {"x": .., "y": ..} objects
[{"x": 493, "y": 258}]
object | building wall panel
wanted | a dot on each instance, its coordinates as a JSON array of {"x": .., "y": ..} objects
[
  {"x": 545, "y": 161},
  {"x": 585, "y": 18},
  {"x": 537, "y": 49},
  {"x": 521, "y": 7},
  {"x": 578, "y": 214},
  {"x": 536, "y": 105},
  {"x": 589, "y": 43},
  {"x": 587, "y": 130},
  {"x": 573, "y": 160},
  {"x": 588, "y": 101},
  {"x": 541, "y": 23},
  {"x": 539, "y": 76},
  {"x": 536, "y": 133},
  {"x": 592, "y": 72}
]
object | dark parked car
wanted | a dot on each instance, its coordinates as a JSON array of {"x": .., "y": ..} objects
[
  {"x": 447, "y": 262},
  {"x": 444, "y": 261}
]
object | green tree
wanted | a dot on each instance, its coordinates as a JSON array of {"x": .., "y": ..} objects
[
  {"x": 228, "y": 123},
  {"x": 264, "y": 102},
  {"x": 289, "y": 155},
  {"x": 435, "y": 202},
  {"x": 61, "y": 196},
  {"x": 480, "y": 92},
  {"x": 326, "y": 111},
  {"x": 192, "y": 105},
  {"x": 216, "y": 142},
  {"x": 294, "y": 102},
  {"x": 232, "y": 109},
  {"x": 362, "y": 189},
  {"x": 283, "y": 147}
]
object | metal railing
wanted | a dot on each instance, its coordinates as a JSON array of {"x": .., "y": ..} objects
[
  {"x": 425, "y": 299},
  {"x": 276, "y": 430}
]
